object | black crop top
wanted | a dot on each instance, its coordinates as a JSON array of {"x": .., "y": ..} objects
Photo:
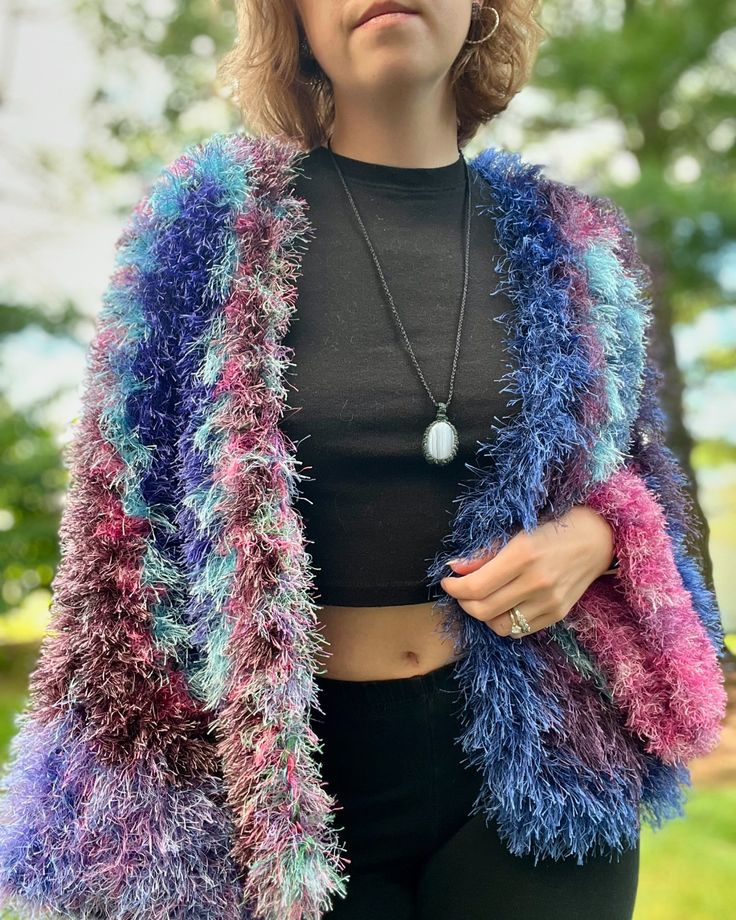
[{"x": 374, "y": 510}]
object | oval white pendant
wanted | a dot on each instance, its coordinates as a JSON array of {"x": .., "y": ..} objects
[{"x": 440, "y": 442}]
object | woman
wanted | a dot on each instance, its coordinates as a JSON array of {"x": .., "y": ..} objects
[
  {"x": 197, "y": 720},
  {"x": 375, "y": 508}
]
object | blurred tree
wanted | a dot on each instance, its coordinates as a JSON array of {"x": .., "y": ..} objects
[
  {"x": 157, "y": 90},
  {"x": 662, "y": 75}
]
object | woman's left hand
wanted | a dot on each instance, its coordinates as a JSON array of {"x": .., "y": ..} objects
[{"x": 543, "y": 572}]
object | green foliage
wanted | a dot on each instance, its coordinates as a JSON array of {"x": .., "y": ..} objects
[
  {"x": 32, "y": 483},
  {"x": 63, "y": 321},
  {"x": 174, "y": 47},
  {"x": 664, "y": 72},
  {"x": 710, "y": 452}
]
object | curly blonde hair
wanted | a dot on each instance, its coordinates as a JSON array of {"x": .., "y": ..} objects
[{"x": 280, "y": 91}]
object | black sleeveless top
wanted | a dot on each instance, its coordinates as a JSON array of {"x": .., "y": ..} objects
[{"x": 375, "y": 511}]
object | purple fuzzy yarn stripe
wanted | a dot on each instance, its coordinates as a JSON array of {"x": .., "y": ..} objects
[
  {"x": 516, "y": 471},
  {"x": 643, "y": 630},
  {"x": 88, "y": 840}
]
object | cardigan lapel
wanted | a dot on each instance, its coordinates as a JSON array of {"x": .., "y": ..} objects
[
  {"x": 521, "y": 470},
  {"x": 535, "y": 465}
]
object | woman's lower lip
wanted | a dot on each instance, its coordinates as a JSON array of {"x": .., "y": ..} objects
[{"x": 385, "y": 18}]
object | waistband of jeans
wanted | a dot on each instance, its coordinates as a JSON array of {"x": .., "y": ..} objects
[{"x": 393, "y": 690}]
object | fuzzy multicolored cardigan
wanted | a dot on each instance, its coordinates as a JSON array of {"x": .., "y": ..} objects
[{"x": 165, "y": 766}]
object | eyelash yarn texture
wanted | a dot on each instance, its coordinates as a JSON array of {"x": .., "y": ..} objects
[{"x": 165, "y": 765}]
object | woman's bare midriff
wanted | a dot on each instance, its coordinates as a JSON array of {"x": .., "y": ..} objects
[{"x": 381, "y": 643}]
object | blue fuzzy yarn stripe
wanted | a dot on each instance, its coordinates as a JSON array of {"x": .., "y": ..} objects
[
  {"x": 184, "y": 251},
  {"x": 138, "y": 415},
  {"x": 542, "y": 798},
  {"x": 550, "y": 370},
  {"x": 663, "y": 792},
  {"x": 222, "y": 192}
]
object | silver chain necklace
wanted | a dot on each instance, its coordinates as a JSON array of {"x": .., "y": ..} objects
[{"x": 440, "y": 442}]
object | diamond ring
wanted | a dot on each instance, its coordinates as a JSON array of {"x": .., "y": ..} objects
[{"x": 519, "y": 624}]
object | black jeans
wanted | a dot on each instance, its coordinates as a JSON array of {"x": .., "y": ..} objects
[{"x": 404, "y": 793}]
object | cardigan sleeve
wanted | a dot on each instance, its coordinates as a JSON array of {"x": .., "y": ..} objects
[
  {"x": 653, "y": 626},
  {"x": 110, "y": 802}
]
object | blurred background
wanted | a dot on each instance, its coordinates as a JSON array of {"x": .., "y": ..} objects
[{"x": 635, "y": 99}]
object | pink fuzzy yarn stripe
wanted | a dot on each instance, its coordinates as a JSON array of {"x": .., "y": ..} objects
[{"x": 644, "y": 632}]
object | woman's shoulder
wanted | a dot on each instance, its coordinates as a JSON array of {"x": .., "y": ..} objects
[
  {"x": 221, "y": 171},
  {"x": 195, "y": 199},
  {"x": 520, "y": 176},
  {"x": 221, "y": 208}
]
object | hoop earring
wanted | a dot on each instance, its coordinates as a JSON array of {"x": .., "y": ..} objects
[
  {"x": 478, "y": 6},
  {"x": 308, "y": 64}
]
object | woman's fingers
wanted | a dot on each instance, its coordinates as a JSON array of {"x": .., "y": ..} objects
[{"x": 539, "y": 599}]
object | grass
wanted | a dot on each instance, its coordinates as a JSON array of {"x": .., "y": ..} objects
[{"x": 687, "y": 867}]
